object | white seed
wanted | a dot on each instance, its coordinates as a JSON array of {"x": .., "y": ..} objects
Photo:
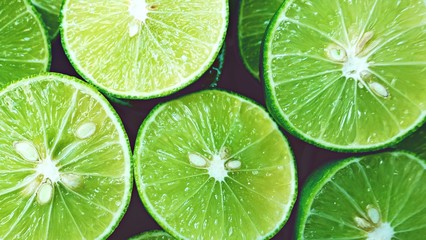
[
  {"x": 362, "y": 223},
  {"x": 85, "y": 130},
  {"x": 379, "y": 89},
  {"x": 27, "y": 150},
  {"x": 223, "y": 153},
  {"x": 336, "y": 53},
  {"x": 70, "y": 180},
  {"x": 31, "y": 188},
  {"x": 363, "y": 41},
  {"x": 133, "y": 28},
  {"x": 45, "y": 192},
  {"x": 373, "y": 214},
  {"x": 233, "y": 164},
  {"x": 197, "y": 160}
]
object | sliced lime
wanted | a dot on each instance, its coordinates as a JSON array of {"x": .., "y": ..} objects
[
  {"x": 213, "y": 165},
  {"x": 64, "y": 161},
  {"x": 49, "y": 10},
  {"x": 416, "y": 143},
  {"x": 252, "y": 22},
  {"x": 374, "y": 197},
  {"x": 24, "y": 45},
  {"x": 143, "y": 49},
  {"x": 347, "y": 75},
  {"x": 153, "y": 235}
]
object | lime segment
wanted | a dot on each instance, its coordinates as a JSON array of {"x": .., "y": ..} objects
[
  {"x": 24, "y": 45},
  {"x": 213, "y": 165},
  {"x": 153, "y": 235},
  {"x": 374, "y": 197},
  {"x": 252, "y": 23},
  {"x": 415, "y": 143},
  {"x": 65, "y": 160},
  {"x": 346, "y": 81},
  {"x": 143, "y": 49},
  {"x": 50, "y": 11}
]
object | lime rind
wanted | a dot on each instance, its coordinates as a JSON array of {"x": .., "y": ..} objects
[
  {"x": 142, "y": 96},
  {"x": 415, "y": 143},
  {"x": 320, "y": 177},
  {"x": 92, "y": 91},
  {"x": 48, "y": 56},
  {"x": 48, "y": 15},
  {"x": 278, "y": 114},
  {"x": 151, "y": 209},
  {"x": 152, "y": 235}
]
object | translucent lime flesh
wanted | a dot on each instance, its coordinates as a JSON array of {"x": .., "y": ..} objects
[
  {"x": 150, "y": 50},
  {"x": 50, "y": 11},
  {"x": 93, "y": 183},
  {"x": 251, "y": 201},
  {"x": 252, "y": 23},
  {"x": 153, "y": 235},
  {"x": 348, "y": 75},
  {"x": 24, "y": 47},
  {"x": 340, "y": 201},
  {"x": 415, "y": 143}
]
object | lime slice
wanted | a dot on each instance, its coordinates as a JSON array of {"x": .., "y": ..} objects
[
  {"x": 142, "y": 49},
  {"x": 24, "y": 45},
  {"x": 64, "y": 161},
  {"x": 49, "y": 10},
  {"x": 213, "y": 165},
  {"x": 415, "y": 143},
  {"x": 347, "y": 75},
  {"x": 377, "y": 197},
  {"x": 252, "y": 22},
  {"x": 153, "y": 235}
]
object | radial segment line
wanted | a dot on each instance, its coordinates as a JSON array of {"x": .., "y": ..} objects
[
  {"x": 314, "y": 29},
  {"x": 12, "y": 20},
  {"x": 254, "y": 191},
  {"x": 69, "y": 212},
  {"x": 378, "y": 47},
  {"x": 311, "y": 97},
  {"x": 21, "y": 215},
  {"x": 173, "y": 180},
  {"x": 410, "y": 216},
  {"x": 366, "y": 22},
  {"x": 305, "y": 56},
  {"x": 49, "y": 216},
  {"x": 242, "y": 208},
  {"x": 367, "y": 180},
  {"x": 343, "y": 22},
  {"x": 384, "y": 64},
  {"x": 350, "y": 199},
  {"x": 307, "y": 77},
  {"x": 411, "y": 229},
  {"x": 333, "y": 219},
  {"x": 207, "y": 207},
  {"x": 16, "y": 187},
  {"x": 231, "y": 128},
  {"x": 251, "y": 144}
]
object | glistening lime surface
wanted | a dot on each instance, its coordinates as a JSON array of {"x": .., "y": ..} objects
[
  {"x": 49, "y": 10},
  {"x": 64, "y": 161},
  {"x": 153, "y": 235},
  {"x": 24, "y": 45},
  {"x": 374, "y": 197},
  {"x": 347, "y": 75},
  {"x": 416, "y": 142},
  {"x": 213, "y": 165},
  {"x": 253, "y": 20},
  {"x": 143, "y": 48}
]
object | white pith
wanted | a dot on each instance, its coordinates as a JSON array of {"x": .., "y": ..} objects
[
  {"x": 382, "y": 232},
  {"x": 373, "y": 226},
  {"x": 138, "y": 10}
]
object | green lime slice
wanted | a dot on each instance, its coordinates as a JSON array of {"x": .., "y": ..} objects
[
  {"x": 252, "y": 23},
  {"x": 64, "y": 161},
  {"x": 415, "y": 143},
  {"x": 50, "y": 11},
  {"x": 143, "y": 49},
  {"x": 24, "y": 45},
  {"x": 377, "y": 197},
  {"x": 153, "y": 235},
  {"x": 347, "y": 75},
  {"x": 213, "y": 165}
]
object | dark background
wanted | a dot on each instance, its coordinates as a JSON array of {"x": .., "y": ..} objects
[{"x": 234, "y": 78}]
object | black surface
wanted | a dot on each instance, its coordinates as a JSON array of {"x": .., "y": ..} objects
[{"x": 234, "y": 78}]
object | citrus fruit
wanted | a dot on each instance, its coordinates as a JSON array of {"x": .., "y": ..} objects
[
  {"x": 373, "y": 197},
  {"x": 213, "y": 165},
  {"x": 50, "y": 11},
  {"x": 347, "y": 75},
  {"x": 64, "y": 161},
  {"x": 253, "y": 20},
  {"x": 153, "y": 235},
  {"x": 415, "y": 143},
  {"x": 143, "y": 49},
  {"x": 24, "y": 45}
]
